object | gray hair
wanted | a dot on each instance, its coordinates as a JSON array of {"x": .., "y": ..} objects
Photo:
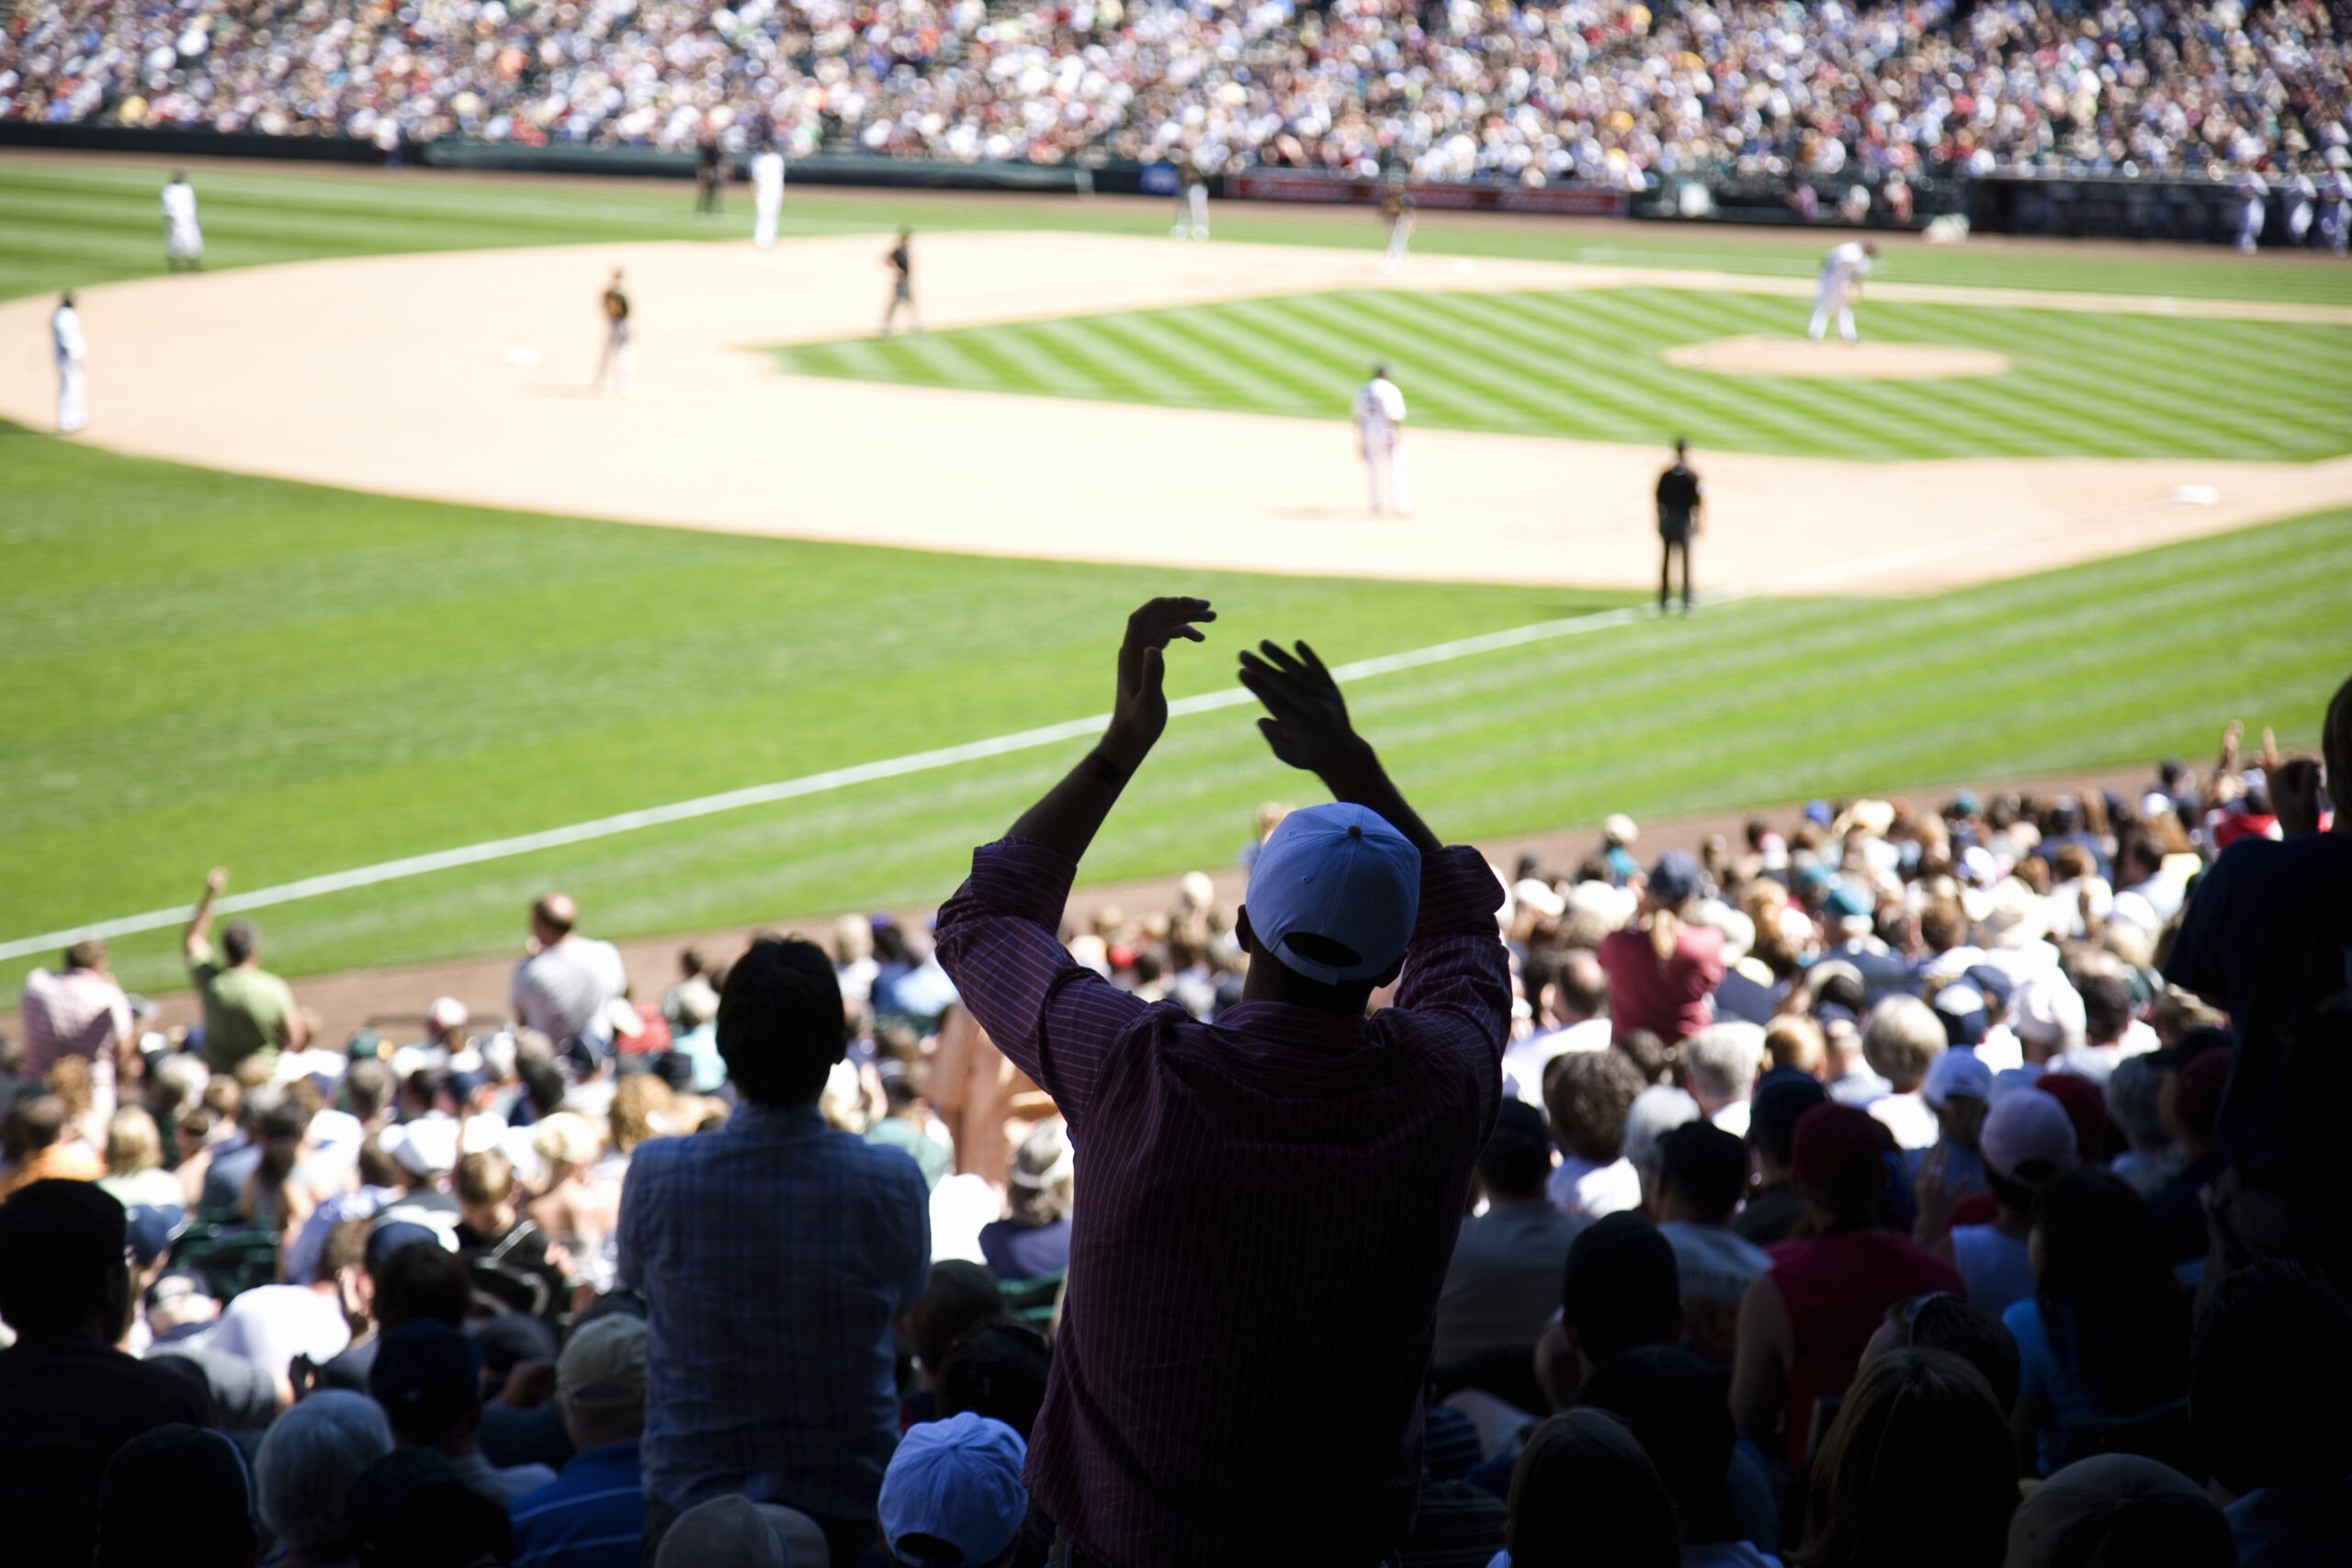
[
  {"x": 1902, "y": 1040},
  {"x": 1658, "y": 1110},
  {"x": 179, "y": 1081},
  {"x": 1720, "y": 1061},
  {"x": 2132, "y": 1097},
  {"x": 1039, "y": 1185},
  {"x": 309, "y": 1460}
]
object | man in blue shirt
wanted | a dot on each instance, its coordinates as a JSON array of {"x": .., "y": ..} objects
[
  {"x": 773, "y": 1256},
  {"x": 592, "y": 1515}
]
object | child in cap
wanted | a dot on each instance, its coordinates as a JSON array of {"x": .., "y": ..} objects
[
  {"x": 2027, "y": 1139},
  {"x": 1959, "y": 1091},
  {"x": 953, "y": 1496}
]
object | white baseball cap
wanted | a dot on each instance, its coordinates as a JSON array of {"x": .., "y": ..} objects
[
  {"x": 1340, "y": 873},
  {"x": 2045, "y": 1010},
  {"x": 1957, "y": 1072}
]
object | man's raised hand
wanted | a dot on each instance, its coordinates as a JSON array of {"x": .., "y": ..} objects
[
  {"x": 1307, "y": 720},
  {"x": 1140, "y": 710}
]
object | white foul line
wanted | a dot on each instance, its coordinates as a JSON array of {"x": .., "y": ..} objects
[{"x": 789, "y": 789}]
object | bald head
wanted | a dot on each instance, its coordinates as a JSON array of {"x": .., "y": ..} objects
[{"x": 553, "y": 916}]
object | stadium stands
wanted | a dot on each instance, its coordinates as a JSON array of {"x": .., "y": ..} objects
[{"x": 1620, "y": 95}]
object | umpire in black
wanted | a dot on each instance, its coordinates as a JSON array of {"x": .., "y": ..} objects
[{"x": 1678, "y": 519}]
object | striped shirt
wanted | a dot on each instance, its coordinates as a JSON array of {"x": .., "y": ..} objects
[
  {"x": 78, "y": 1013},
  {"x": 774, "y": 1255},
  {"x": 592, "y": 1515},
  {"x": 1267, "y": 1205}
]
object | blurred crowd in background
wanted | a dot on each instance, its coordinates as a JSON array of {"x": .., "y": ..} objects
[{"x": 1624, "y": 94}]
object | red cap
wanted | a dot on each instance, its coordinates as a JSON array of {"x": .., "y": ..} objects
[
  {"x": 1838, "y": 1148},
  {"x": 2085, "y": 1105}
]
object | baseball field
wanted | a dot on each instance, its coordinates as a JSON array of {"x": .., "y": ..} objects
[{"x": 354, "y": 586}]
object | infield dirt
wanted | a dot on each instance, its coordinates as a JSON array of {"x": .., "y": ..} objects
[{"x": 465, "y": 376}]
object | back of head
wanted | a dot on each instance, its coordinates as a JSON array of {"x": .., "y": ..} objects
[
  {"x": 307, "y": 1462},
  {"x": 89, "y": 954},
  {"x": 735, "y": 1532},
  {"x": 961, "y": 1296},
  {"x": 1918, "y": 1436},
  {"x": 1584, "y": 984},
  {"x": 2106, "y": 1007},
  {"x": 1944, "y": 1322},
  {"x": 61, "y": 1260},
  {"x": 427, "y": 1378},
  {"x": 367, "y": 1087},
  {"x": 2132, "y": 1093},
  {"x": 1620, "y": 1287},
  {"x": 1585, "y": 1493},
  {"x": 132, "y": 1142},
  {"x": 1706, "y": 1167},
  {"x": 1720, "y": 1061},
  {"x": 239, "y": 941},
  {"x": 780, "y": 1023},
  {"x": 998, "y": 1370},
  {"x": 2104, "y": 1267},
  {"x": 1588, "y": 1094},
  {"x": 1900, "y": 1041},
  {"x": 1332, "y": 899},
  {"x": 1772, "y": 1119},
  {"x": 2272, "y": 1378},
  {"x": 177, "y": 1494},
  {"x": 1678, "y": 1408},
  {"x": 422, "y": 1282},
  {"x": 409, "y": 1509},
  {"x": 2120, "y": 1511},
  {"x": 1043, "y": 1177},
  {"x": 1837, "y": 1159},
  {"x": 33, "y": 1123},
  {"x": 484, "y": 1179},
  {"x": 554, "y": 915},
  {"x": 1518, "y": 1155}
]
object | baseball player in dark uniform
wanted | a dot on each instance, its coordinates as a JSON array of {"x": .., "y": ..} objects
[
  {"x": 901, "y": 263},
  {"x": 614, "y": 363},
  {"x": 1678, "y": 502}
]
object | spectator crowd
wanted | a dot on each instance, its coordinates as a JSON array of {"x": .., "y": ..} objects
[
  {"x": 1612, "y": 92},
  {"x": 1947, "y": 1184}
]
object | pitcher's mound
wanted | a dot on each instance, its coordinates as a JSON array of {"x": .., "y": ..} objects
[{"x": 1796, "y": 357}]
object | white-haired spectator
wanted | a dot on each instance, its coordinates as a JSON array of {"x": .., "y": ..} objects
[
  {"x": 1901, "y": 1041},
  {"x": 1719, "y": 1067},
  {"x": 304, "y": 1471},
  {"x": 1658, "y": 1110},
  {"x": 1034, "y": 1240}
]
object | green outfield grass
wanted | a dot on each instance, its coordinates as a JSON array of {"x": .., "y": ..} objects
[
  {"x": 209, "y": 667},
  {"x": 1589, "y": 365},
  {"x": 78, "y": 222}
]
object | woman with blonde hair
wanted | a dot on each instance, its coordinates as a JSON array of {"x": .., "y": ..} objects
[
  {"x": 135, "y": 1175},
  {"x": 1662, "y": 969}
]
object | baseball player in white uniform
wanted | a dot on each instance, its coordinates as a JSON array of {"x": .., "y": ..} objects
[
  {"x": 2336, "y": 210},
  {"x": 2254, "y": 206},
  {"x": 1380, "y": 441},
  {"x": 72, "y": 348},
  {"x": 183, "y": 239},
  {"x": 617, "y": 362},
  {"x": 767, "y": 194},
  {"x": 1192, "y": 203},
  {"x": 1842, "y": 271},
  {"x": 2303, "y": 206}
]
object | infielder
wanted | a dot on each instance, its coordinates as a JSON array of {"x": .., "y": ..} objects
[
  {"x": 72, "y": 348},
  {"x": 2336, "y": 210},
  {"x": 1192, "y": 203},
  {"x": 1679, "y": 500},
  {"x": 1842, "y": 272},
  {"x": 2303, "y": 206},
  {"x": 1396, "y": 207},
  {"x": 901, "y": 263},
  {"x": 615, "y": 365},
  {"x": 1380, "y": 440},
  {"x": 183, "y": 239},
  {"x": 767, "y": 194}
]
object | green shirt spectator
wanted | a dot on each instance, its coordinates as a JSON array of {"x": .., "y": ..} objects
[
  {"x": 933, "y": 1159},
  {"x": 246, "y": 1008}
]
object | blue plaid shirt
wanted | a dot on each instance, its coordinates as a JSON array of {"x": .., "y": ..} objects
[{"x": 773, "y": 1255}]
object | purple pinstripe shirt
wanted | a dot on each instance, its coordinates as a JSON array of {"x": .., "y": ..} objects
[{"x": 1265, "y": 1211}]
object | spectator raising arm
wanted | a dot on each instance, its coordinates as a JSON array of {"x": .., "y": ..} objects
[{"x": 200, "y": 926}]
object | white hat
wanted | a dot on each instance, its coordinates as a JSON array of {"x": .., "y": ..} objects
[
  {"x": 426, "y": 1147},
  {"x": 1339, "y": 874},
  {"x": 1957, "y": 1072},
  {"x": 2027, "y": 1125},
  {"x": 2016, "y": 917},
  {"x": 2046, "y": 1010},
  {"x": 447, "y": 1012},
  {"x": 1619, "y": 828},
  {"x": 1534, "y": 893}
]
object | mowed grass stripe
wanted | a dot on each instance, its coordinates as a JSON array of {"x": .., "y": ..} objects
[{"x": 1591, "y": 366}]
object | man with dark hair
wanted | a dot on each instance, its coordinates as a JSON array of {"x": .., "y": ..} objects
[
  {"x": 427, "y": 1377},
  {"x": 2108, "y": 1013},
  {"x": 2271, "y": 1378},
  {"x": 247, "y": 1008},
  {"x": 33, "y": 1143},
  {"x": 773, "y": 1256},
  {"x": 68, "y": 1398},
  {"x": 1503, "y": 1283},
  {"x": 1703, "y": 1171},
  {"x": 1620, "y": 1287},
  {"x": 1678, "y": 501},
  {"x": 1267, "y": 1204},
  {"x": 1773, "y": 1206},
  {"x": 1588, "y": 1094},
  {"x": 2266, "y": 936}
]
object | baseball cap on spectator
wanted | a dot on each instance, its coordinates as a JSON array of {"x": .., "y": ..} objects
[
  {"x": 2085, "y": 1105},
  {"x": 177, "y": 1494},
  {"x": 602, "y": 1367},
  {"x": 955, "y": 1482},
  {"x": 1848, "y": 902},
  {"x": 1992, "y": 983},
  {"x": 1335, "y": 892},
  {"x": 1959, "y": 1007},
  {"x": 1673, "y": 879},
  {"x": 507, "y": 1341},
  {"x": 1817, "y": 812},
  {"x": 446, "y": 1013},
  {"x": 1532, "y": 893},
  {"x": 425, "y": 1374},
  {"x": 1838, "y": 1148},
  {"x": 151, "y": 1228},
  {"x": 2023, "y": 1128},
  {"x": 425, "y": 1148},
  {"x": 1619, "y": 828},
  {"x": 1957, "y": 1072},
  {"x": 2047, "y": 1012},
  {"x": 393, "y": 1234},
  {"x": 2015, "y": 918},
  {"x": 735, "y": 1532},
  {"x": 2120, "y": 1508},
  {"x": 1963, "y": 804}
]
